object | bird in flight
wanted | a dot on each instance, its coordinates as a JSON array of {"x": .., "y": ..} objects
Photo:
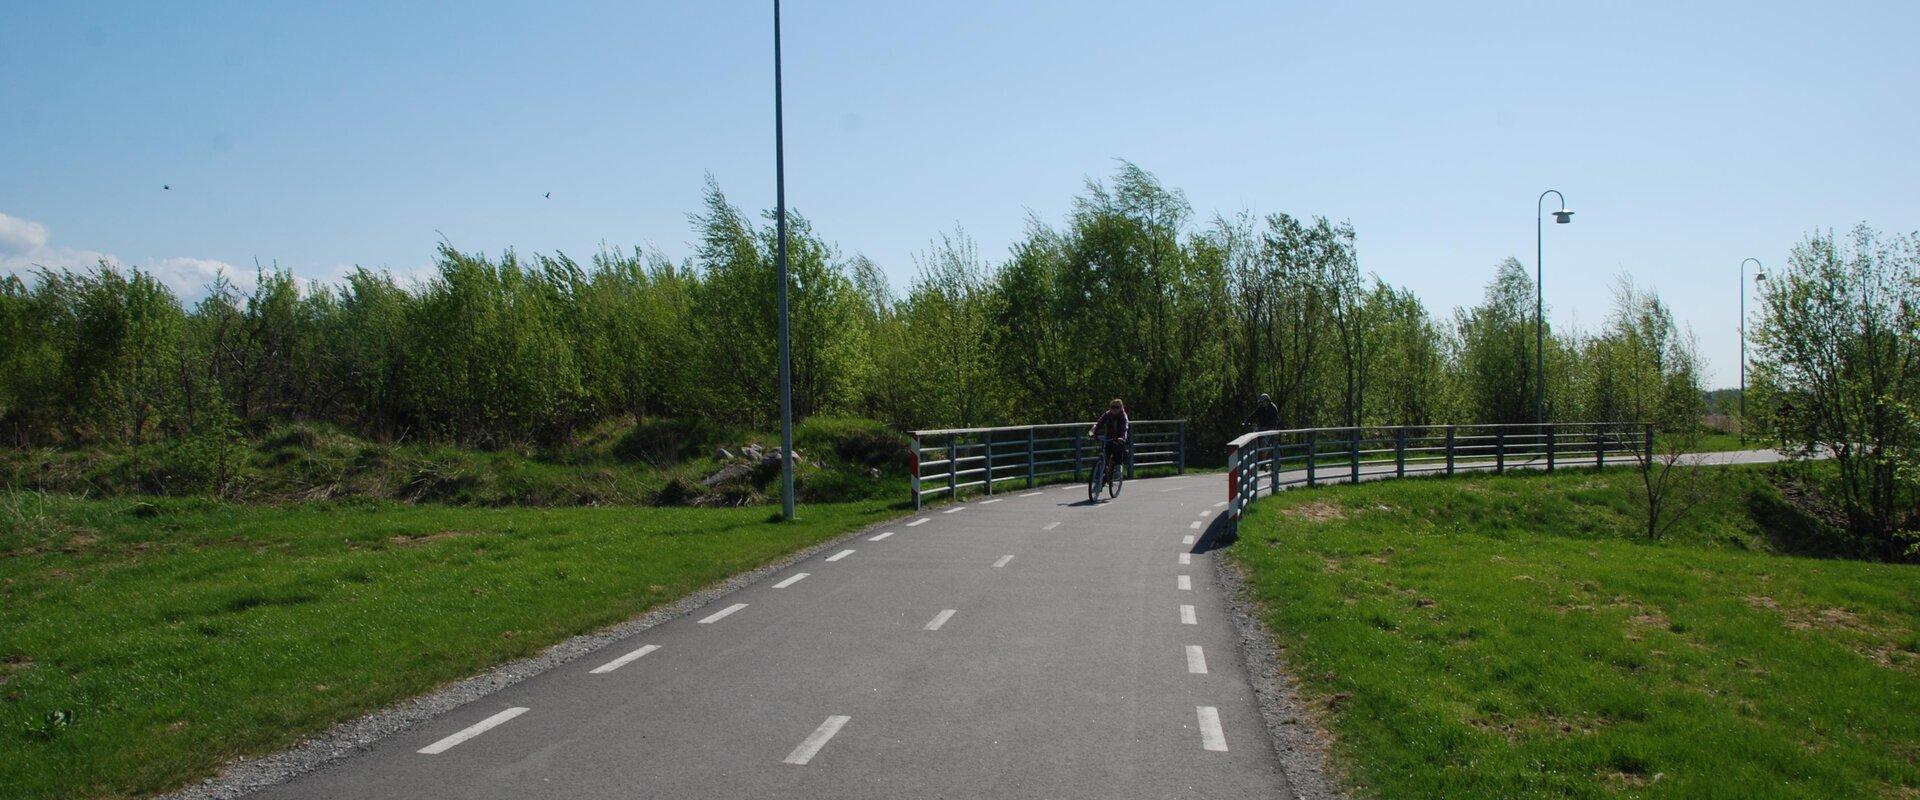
[
  {"x": 165, "y": 188},
  {"x": 548, "y": 195}
]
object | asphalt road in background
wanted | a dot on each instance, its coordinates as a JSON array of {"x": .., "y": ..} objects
[{"x": 1031, "y": 645}]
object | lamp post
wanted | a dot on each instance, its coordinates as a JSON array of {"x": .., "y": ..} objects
[
  {"x": 1757, "y": 276},
  {"x": 780, "y": 224},
  {"x": 1561, "y": 217}
]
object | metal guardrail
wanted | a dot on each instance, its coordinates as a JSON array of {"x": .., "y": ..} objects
[
  {"x": 1312, "y": 456},
  {"x": 949, "y": 461}
]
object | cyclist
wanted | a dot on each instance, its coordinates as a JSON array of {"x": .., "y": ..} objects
[
  {"x": 1113, "y": 425},
  {"x": 1265, "y": 416}
]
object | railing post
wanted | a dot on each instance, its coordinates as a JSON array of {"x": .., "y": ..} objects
[
  {"x": 988, "y": 439},
  {"x": 1030, "y": 457},
  {"x": 1400, "y": 452},
  {"x": 1449, "y": 449},
  {"x": 953, "y": 468},
  {"x": 1274, "y": 459},
  {"x": 1499, "y": 452},
  {"x": 1180, "y": 447},
  {"x": 1313, "y": 448},
  {"x": 1233, "y": 480},
  {"x": 1599, "y": 446},
  {"x": 1353, "y": 454},
  {"x": 1550, "y": 432},
  {"x": 1129, "y": 464},
  {"x": 913, "y": 471},
  {"x": 1076, "y": 457}
]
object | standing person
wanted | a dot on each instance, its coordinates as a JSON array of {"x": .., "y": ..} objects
[
  {"x": 1113, "y": 425},
  {"x": 1265, "y": 416}
]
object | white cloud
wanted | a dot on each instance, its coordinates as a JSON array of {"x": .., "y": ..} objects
[
  {"x": 24, "y": 249},
  {"x": 19, "y": 236}
]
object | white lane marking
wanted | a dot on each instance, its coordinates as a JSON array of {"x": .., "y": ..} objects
[
  {"x": 991, "y": 502},
  {"x": 881, "y": 536},
  {"x": 1211, "y": 737},
  {"x": 1174, "y": 489},
  {"x": 1051, "y": 526},
  {"x": 1186, "y": 558},
  {"x": 955, "y": 509},
  {"x": 1188, "y": 539},
  {"x": 1033, "y": 494},
  {"x": 471, "y": 731},
  {"x": 920, "y": 521},
  {"x": 1204, "y": 512},
  {"x": 1002, "y": 562},
  {"x": 1185, "y": 583},
  {"x": 816, "y": 740},
  {"x": 1186, "y": 616},
  {"x": 722, "y": 613},
  {"x": 623, "y": 660},
  {"x": 1220, "y": 504},
  {"x": 1194, "y": 525},
  {"x": 940, "y": 619},
  {"x": 1196, "y": 660},
  {"x": 791, "y": 581},
  {"x": 840, "y": 555}
]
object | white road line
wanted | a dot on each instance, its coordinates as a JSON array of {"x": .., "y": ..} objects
[
  {"x": 840, "y": 555},
  {"x": 1186, "y": 616},
  {"x": 1211, "y": 737},
  {"x": 1185, "y": 583},
  {"x": 472, "y": 730},
  {"x": 1186, "y": 539},
  {"x": 920, "y": 521},
  {"x": 1196, "y": 660},
  {"x": 1033, "y": 494},
  {"x": 722, "y": 613},
  {"x": 1220, "y": 504},
  {"x": 881, "y": 536},
  {"x": 940, "y": 619},
  {"x": 818, "y": 739},
  {"x": 1051, "y": 526},
  {"x": 954, "y": 510},
  {"x": 623, "y": 660},
  {"x": 1002, "y": 562},
  {"x": 1174, "y": 489},
  {"x": 991, "y": 502},
  {"x": 1186, "y": 558},
  {"x": 791, "y": 581},
  {"x": 1194, "y": 525},
  {"x": 1205, "y": 512}
]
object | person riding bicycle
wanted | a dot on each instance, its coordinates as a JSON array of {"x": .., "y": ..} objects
[
  {"x": 1113, "y": 425},
  {"x": 1265, "y": 416}
]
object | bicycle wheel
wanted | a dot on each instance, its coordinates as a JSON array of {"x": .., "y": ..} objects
[
  {"x": 1093, "y": 484},
  {"x": 1119, "y": 476}
]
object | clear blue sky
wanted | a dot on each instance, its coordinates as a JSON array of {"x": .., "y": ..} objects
[{"x": 1687, "y": 136}]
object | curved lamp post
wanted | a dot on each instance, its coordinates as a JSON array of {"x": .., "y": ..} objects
[
  {"x": 1561, "y": 217},
  {"x": 1757, "y": 277},
  {"x": 786, "y": 360}
]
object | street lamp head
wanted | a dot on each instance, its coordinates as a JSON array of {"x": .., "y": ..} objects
[{"x": 1563, "y": 216}]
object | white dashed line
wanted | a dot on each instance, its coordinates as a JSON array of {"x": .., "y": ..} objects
[
  {"x": 991, "y": 502},
  {"x": 1186, "y": 616},
  {"x": 1033, "y": 494},
  {"x": 623, "y": 660},
  {"x": 1186, "y": 558},
  {"x": 1195, "y": 525},
  {"x": 722, "y": 614},
  {"x": 1196, "y": 660},
  {"x": 1186, "y": 540},
  {"x": 1211, "y": 737},
  {"x": 1185, "y": 583},
  {"x": 818, "y": 739},
  {"x": 1051, "y": 526},
  {"x": 471, "y": 731},
  {"x": 1174, "y": 489},
  {"x": 1221, "y": 504},
  {"x": 954, "y": 510},
  {"x": 1002, "y": 562},
  {"x": 940, "y": 619},
  {"x": 840, "y": 555},
  {"x": 920, "y": 521},
  {"x": 1204, "y": 512},
  {"x": 881, "y": 536},
  {"x": 791, "y": 581}
]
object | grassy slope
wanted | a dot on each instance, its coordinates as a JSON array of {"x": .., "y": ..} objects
[
  {"x": 184, "y": 633},
  {"x": 1502, "y": 637}
]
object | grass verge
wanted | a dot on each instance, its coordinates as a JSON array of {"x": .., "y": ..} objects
[
  {"x": 144, "y": 643},
  {"x": 1503, "y": 636}
]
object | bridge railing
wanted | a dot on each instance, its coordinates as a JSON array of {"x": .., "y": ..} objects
[
  {"x": 950, "y": 461},
  {"x": 1281, "y": 459}
]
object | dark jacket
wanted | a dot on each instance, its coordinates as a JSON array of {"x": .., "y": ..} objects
[
  {"x": 1113, "y": 424},
  {"x": 1265, "y": 416}
]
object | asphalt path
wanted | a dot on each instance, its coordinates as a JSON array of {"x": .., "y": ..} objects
[{"x": 1026, "y": 645}]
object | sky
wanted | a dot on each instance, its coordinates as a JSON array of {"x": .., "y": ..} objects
[{"x": 321, "y": 136}]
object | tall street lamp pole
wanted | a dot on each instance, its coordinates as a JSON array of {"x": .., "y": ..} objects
[
  {"x": 1743, "y": 341},
  {"x": 780, "y": 226},
  {"x": 1562, "y": 217}
]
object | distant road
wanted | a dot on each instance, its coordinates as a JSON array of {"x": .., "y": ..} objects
[{"x": 1030, "y": 645}]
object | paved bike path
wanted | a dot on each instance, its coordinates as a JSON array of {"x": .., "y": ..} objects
[{"x": 1068, "y": 670}]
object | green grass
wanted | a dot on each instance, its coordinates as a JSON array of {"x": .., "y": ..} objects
[
  {"x": 183, "y": 633},
  {"x": 1505, "y": 636}
]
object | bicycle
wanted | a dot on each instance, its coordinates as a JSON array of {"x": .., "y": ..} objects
[{"x": 1107, "y": 470}]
